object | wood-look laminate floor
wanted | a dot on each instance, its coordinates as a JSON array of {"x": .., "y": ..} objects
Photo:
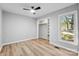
[{"x": 34, "y": 47}]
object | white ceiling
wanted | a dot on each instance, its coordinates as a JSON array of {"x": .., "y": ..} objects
[{"x": 45, "y": 8}]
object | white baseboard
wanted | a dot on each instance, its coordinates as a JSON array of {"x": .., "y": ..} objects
[
  {"x": 36, "y": 38},
  {"x": 63, "y": 47},
  {"x": 17, "y": 41}
]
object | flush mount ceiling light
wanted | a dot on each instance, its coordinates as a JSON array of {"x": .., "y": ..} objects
[{"x": 32, "y": 9}]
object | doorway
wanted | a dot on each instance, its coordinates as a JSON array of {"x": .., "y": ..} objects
[{"x": 44, "y": 29}]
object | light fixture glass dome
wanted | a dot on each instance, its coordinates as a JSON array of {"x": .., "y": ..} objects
[{"x": 32, "y": 11}]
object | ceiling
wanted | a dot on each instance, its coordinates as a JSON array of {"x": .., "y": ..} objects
[{"x": 45, "y": 8}]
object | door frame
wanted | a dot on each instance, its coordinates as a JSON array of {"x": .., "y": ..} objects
[{"x": 38, "y": 26}]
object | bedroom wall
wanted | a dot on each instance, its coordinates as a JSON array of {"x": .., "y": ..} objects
[
  {"x": 53, "y": 23},
  {"x": 17, "y": 27},
  {"x": 78, "y": 27}
]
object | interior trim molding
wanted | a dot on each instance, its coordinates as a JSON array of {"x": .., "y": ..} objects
[
  {"x": 63, "y": 47},
  {"x": 36, "y": 38},
  {"x": 17, "y": 41},
  {"x": 75, "y": 28}
]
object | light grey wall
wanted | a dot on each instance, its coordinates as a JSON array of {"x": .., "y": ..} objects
[
  {"x": 0, "y": 26},
  {"x": 78, "y": 26},
  {"x": 54, "y": 26},
  {"x": 17, "y": 27}
]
